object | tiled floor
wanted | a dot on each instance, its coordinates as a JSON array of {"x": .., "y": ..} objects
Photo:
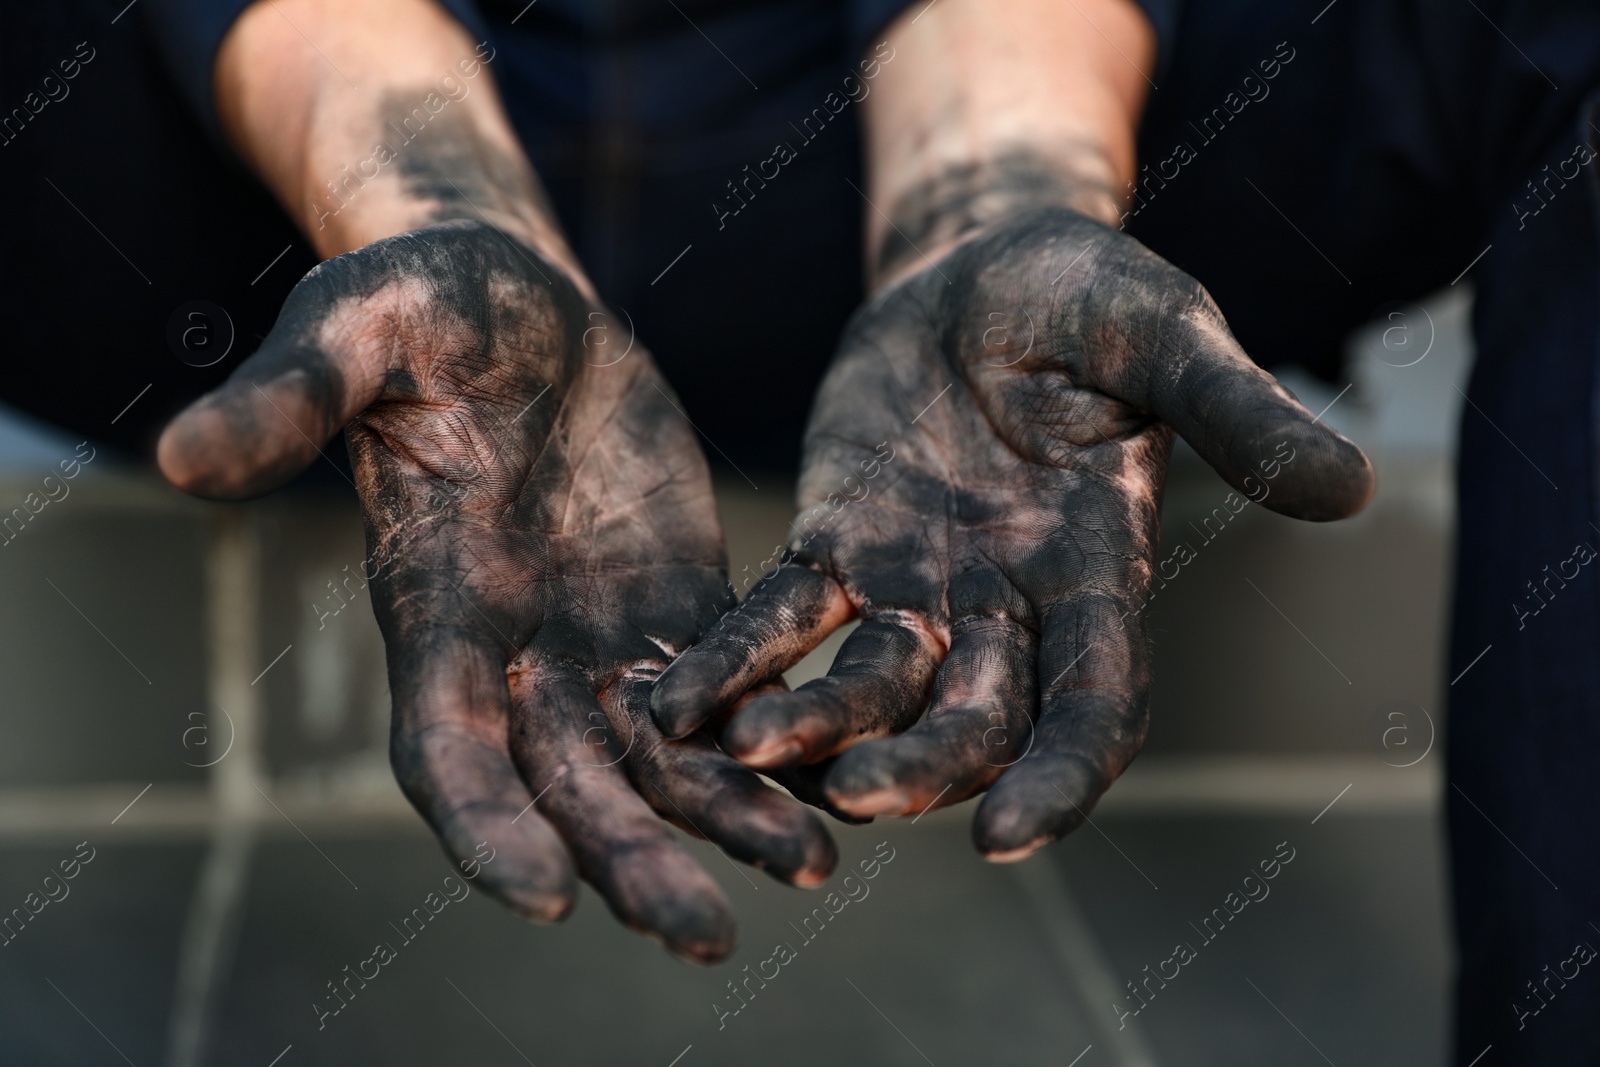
[{"x": 945, "y": 960}]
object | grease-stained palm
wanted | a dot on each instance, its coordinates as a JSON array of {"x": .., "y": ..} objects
[
  {"x": 1028, "y": 384},
  {"x": 542, "y": 525}
]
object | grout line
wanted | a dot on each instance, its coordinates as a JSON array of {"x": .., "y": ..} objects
[
  {"x": 1079, "y": 953},
  {"x": 1331, "y": 803},
  {"x": 1473, "y": 664},
  {"x": 674, "y": 262},
  {"x": 273, "y": 664},
  {"x": 1463, "y": 274},
  {"x": 131, "y": 803}
]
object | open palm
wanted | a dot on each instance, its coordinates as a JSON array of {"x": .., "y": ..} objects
[
  {"x": 545, "y": 541},
  {"x": 1026, "y": 387}
]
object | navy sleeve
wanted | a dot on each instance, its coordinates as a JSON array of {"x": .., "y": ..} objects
[
  {"x": 187, "y": 34},
  {"x": 867, "y": 19}
]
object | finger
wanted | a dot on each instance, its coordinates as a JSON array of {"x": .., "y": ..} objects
[
  {"x": 702, "y": 790},
  {"x": 1094, "y": 673},
  {"x": 808, "y": 784},
  {"x": 805, "y": 783},
  {"x": 449, "y": 752},
  {"x": 980, "y": 723},
  {"x": 878, "y": 685},
  {"x": 561, "y": 741},
  {"x": 783, "y": 619},
  {"x": 273, "y": 416},
  {"x": 1248, "y": 427}
]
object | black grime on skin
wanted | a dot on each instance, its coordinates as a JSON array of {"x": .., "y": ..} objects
[
  {"x": 964, "y": 199},
  {"x": 1002, "y": 560},
  {"x": 448, "y": 162},
  {"x": 547, "y": 540}
]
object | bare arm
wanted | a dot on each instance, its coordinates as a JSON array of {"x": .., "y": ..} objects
[
  {"x": 997, "y": 107},
  {"x": 368, "y": 118}
]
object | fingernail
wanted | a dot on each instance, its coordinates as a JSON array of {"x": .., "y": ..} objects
[
  {"x": 773, "y": 754},
  {"x": 884, "y": 801}
]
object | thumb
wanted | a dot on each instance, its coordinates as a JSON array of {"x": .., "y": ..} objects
[
  {"x": 1250, "y": 429},
  {"x": 323, "y": 363}
]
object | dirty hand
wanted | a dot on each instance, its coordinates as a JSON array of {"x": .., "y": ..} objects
[
  {"x": 981, "y": 488},
  {"x": 541, "y": 523}
]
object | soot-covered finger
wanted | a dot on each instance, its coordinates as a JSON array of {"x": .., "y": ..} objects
[
  {"x": 804, "y": 783},
  {"x": 449, "y": 750},
  {"x": 699, "y": 788},
  {"x": 878, "y": 685},
  {"x": 1094, "y": 674},
  {"x": 1250, "y": 429},
  {"x": 783, "y": 619},
  {"x": 323, "y": 363},
  {"x": 566, "y": 749},
  {"x": 980, "y": 723}
]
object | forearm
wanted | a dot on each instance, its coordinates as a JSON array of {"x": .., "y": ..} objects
[
  {"x": 368, "y": 118},
  {"x": 992, "y": 108}
]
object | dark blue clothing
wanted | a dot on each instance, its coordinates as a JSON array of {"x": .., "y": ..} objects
[
  {"x": 1402, "y": 140},
  {"x": 1308, "y": 163}
]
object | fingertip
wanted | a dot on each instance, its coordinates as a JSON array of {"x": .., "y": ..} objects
[
  {"x": 655, "y": 887},
  {"x": 540, "y": 904},
  {"x": 678, "y": 699},
  {"x": 772, "y": 832},
  {"x": 186, "y": 454},
  {"x": 1004, "y": 834},
  {"x": 805, "y": 784},
  {"x": 1359, "y": 482},
  {"x": 756, "y": 741},
  {"x": 1308, "y": 471},
  {"x": 215, "y": 450},
  {"x": 1034, "y": 803},
  {"x": 530, "y": 870},
  {"x": 812, "y": 879},
  {"x": 863, "y": 783},
  {"x": 1014, "y": 855},
  {"x": 699, "y": 929},
  {"x": 702, "y": 953},
  {"x": 819, "y": 855}
]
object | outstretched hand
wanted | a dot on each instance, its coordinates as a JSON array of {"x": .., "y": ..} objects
[
  {"x": 1024, "y": 390},
  {"x": 546, "y": 541}
]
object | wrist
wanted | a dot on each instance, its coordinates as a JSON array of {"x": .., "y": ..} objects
[
  {"x": 391, "y": 123},
  {"x": 987, "y": 113},
  {"x": 940, "y": 204}
]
